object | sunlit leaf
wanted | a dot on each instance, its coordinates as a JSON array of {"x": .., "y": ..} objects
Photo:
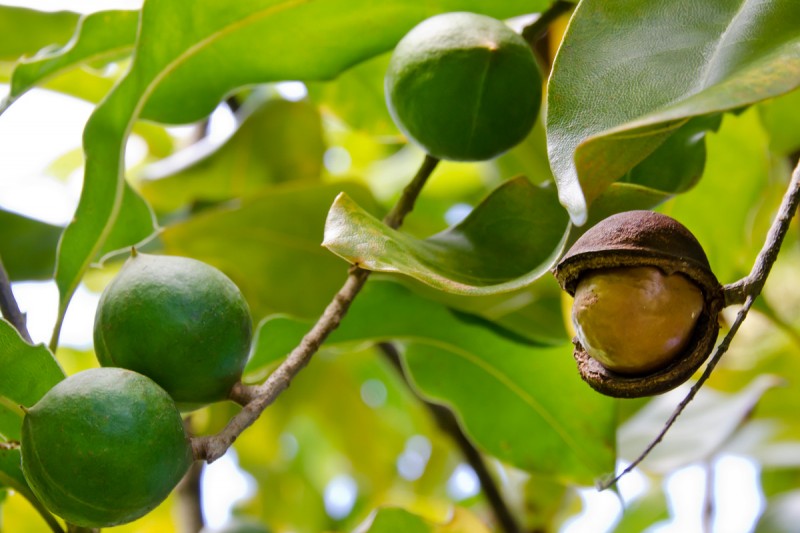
[
  {"x": 356, "y": 97},
  {"x": 508, "y": 241},
  {"x": 101, "y": 36},
  {"x": 270, "y": 246},
  {"x": 480, "y": 371},
  {"x": 182, "y": 79},
  {"x": 280, "y": 141},
  {"x": 706, "y": 426},
  {"x": 781, "y": 119},
  {"x": 26, "y": 31},
  {"x": 394, "y": 519},
  {"x": 616, "y": 95}
]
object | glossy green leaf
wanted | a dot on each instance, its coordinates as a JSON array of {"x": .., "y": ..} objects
[
  {"x": 182, "y": 78},
  {"x": 11, "y": 476},
  {"x": 27, "y": 246},
  {"x": 551, "y": 421},
  {"x": 270, "y": 246},
  {"x": 28, "y": 373},
  {"x": 99, "y": 37},
  {"x": 508, "y": 241},
  {"x": 280, "y": 141},
  {"x": 616, "y": 94},
  {"x": 26, "y": 31}
]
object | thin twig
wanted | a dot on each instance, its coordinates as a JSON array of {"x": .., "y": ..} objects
[
  {"x": 746, "y": 290},
  {"x": 9, "y": 307},
  {"x": 256, "y": 399},
  {"x": 448, "y": 423}
]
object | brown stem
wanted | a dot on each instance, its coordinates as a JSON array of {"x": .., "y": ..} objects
[
  {"x": 448, "y": 423},
  {"x": 189, "y": 495},
  {"x": 256, "y": 399},
  {"x": 745, "y": 290},
  {"x": 532, "y": 32},
  {"x": 9, "y": 307}
]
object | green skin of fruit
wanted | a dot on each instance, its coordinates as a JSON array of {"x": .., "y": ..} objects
[
  {"x": 179, "y": 321},
  {"x": 463, "y": 86},
  {"x": 635, "y": 320},
  {"x": 104, "y": 447}
]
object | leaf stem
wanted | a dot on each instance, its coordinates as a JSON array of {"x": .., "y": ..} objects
[
  {"x": 9, "y": 307},
  {"x": 256, "y": 399},
  {"x": 448, "y": 423},
  {"x": 743, "y": 291}
]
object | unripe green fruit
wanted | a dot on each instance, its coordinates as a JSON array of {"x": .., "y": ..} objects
[
  {"x": 463, "y": 86},
  {"x": 634, "y": 320},
  {"x": 178, "y": 321},
  {"x": 104, "y": 447}
]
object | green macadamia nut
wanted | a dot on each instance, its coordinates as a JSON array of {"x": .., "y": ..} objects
[
  {"x": 104, "y": 447},
  {"x": 179, "y": 321},
  {"x": 635, "y": 320},
  {"x": 463, "y": 86}
]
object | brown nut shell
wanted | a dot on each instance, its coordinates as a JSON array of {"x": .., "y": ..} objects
[{"x": 645, "y": 238}]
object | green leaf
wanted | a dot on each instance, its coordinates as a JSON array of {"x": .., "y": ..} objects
[
  {"x": 28, "y": 373},
  {"x": 280, "y": 141},
  {"x": 27, "y": 247},
  {"x": 616, "y": 95},
  {"x": 11, "y": 476},
  {"x": 508, "y": 241},
  {"x": 182, "y": 78},
  {"x": 738, "y": 170},
  {"x": 781, "y": 119},
  {"x": 270, "y": 246},
  {"x": 26, "y": 31},
  {"x": 356, "y": 97},
  {"x": 676, "y": 165},
  {"x": 551, "y": 421},
  {"x": 99, "y": 37},
  {"x": 394, "y": 519}
]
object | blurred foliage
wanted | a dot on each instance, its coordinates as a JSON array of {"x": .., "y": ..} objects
[{"x": 639, "y": 109}]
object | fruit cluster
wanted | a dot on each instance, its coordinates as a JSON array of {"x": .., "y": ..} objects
[{"x": 105, "y": 446}]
